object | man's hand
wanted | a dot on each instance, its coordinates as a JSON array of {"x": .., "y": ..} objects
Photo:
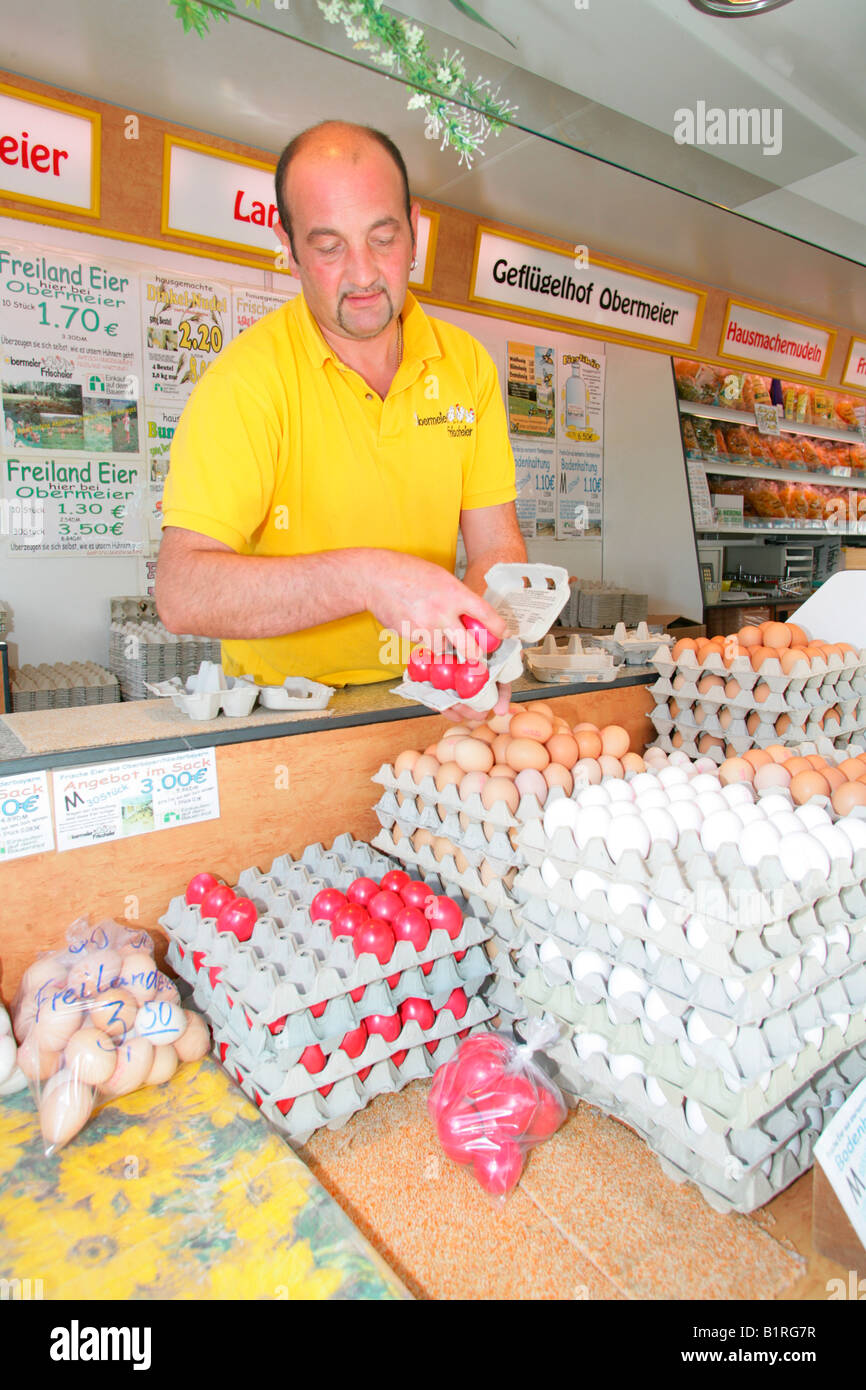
[
  {"x": 422, "y": 601},
  {"x": 464, "y": 714}
]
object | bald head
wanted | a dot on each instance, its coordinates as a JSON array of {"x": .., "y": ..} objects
[{"x": 333, "y": 143}]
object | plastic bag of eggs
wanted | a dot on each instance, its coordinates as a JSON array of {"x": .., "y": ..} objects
[{"x": 96, "y": 1021}]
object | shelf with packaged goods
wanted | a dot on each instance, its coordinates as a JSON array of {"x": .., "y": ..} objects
[
  {"x": 745, "y": 417},
  {"x": 813, "y": 528},
  {"x": 781, "y": 475}
]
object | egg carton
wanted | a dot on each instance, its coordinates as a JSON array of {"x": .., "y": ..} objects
[
  {"x": 295, "y": 1031},
  {"x": 494, "y": 894},
  {"x": 235, "y": 699},
  {"x": 504, "y": 666},
  {"x": 666, "y": 1041},
  {"x": 472, "y": 807},
  {"x": 313, "y": 1111},
  {"x": 637, "y": 646},
  {"x": 574, "y": 659},
  {"x": 733, "y": 1182}
]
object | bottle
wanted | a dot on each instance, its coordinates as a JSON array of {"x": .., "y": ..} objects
[{"x": 575, "y": 400}]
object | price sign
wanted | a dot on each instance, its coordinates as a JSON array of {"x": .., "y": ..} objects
[
  {"x": 80, "y": 504},
  {"x": 766, "y": 418}
]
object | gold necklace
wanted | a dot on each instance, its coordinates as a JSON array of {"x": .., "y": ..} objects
[{"x": 399, "y": 342}]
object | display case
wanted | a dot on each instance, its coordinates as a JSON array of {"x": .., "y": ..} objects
[{"x": 776, "y": 475}]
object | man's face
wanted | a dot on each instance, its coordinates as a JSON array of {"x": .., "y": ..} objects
[{"x": 353, "y": 244}]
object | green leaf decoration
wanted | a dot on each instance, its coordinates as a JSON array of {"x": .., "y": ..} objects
[{"x": 462, "y": 6}]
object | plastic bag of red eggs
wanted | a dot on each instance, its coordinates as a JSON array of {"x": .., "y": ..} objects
[
  {"x": 97, "y": 1021},
  {"x": 490, "y": 1104}
]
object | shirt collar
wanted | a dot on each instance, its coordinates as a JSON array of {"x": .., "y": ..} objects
[{"x": 419, "y": 340}]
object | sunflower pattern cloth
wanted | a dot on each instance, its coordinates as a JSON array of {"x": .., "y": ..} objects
[{"x": 176, "y": 1191}]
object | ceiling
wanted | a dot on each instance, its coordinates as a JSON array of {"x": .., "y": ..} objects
[{"x": 605, "y": 80}]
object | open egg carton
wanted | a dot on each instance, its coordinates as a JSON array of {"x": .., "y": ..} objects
[
  {"x": 576, "y": 659},
  {"x": 636, "y": 646},
  {"x": 728, "y": 1066},
  {"x": 293, "y": 986}
]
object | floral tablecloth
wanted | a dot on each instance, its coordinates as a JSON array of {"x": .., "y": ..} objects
[{"x": 181, "y": 1191}]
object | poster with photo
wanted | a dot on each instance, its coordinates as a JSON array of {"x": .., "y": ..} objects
[
  {"x": 186, "y": 323},
  {"x": 531, "y": 390},
  {"x": 70, "y": 353},
  {"x": 535, "y": 469},
  {"x": 580, "y": 494},
  {"x": 249, "y": 305}
]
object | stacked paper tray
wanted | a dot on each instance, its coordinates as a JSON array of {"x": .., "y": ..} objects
[
  {"x": 293, "y": 986},
  {"x": 708, "y": 707},
  {"x": 719, "y": 1010}
]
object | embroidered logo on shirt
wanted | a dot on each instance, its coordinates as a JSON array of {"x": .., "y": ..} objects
[{"x": 458, "y": 420}]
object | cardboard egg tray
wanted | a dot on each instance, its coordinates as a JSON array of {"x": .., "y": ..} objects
[
  {"x": 478, "y": 842},
  {"x": 498, "y": 817},
  {"x": 850, "y": 668},
  {"x": 692, "y": 722},
  {"x": 494, "y": 894}
]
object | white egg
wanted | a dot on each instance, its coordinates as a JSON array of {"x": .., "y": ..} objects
[
  {"x": 721, "y": 828},
  {"x": 624, "y": 980},
  {"x": 593, "y": 795},
  {"x": 560, "y": 813},
  {"x": 761, "y": 840},
  {"x": 711, "y": 802},
  {"x": 653, "y": 799},
  {"x": 686, "y": 792},
  {"x": 589, "y": 963},
  {"x": 655, "y": 757},
  {"x": 592, "y": 823},
  {"x": 679, "y": 759},
  {"x": 673, "y": 776},
  {"x": 622, "y": 896},
  {"x": 654, "y": 1006},
  {"x": 549, "y": 872},
  {"x": 618, "y": 789},
  {"x": 695, "y": 1117},
  {"x": 814, "y": 1036},
  {"x": 696, "y": 935},
  {"x": 588, "y": 1043},
  {"x": 776, "y": 803},
  {"x": 738, "y": 794},
  {"x": 585, "y": 881},
  {"x": 645, "y": 782},
  {"x": 837, "y": 844},
  {"x": 734, "y": 989},
  {"x": 655, "y": 917},
  {"x": 624, "y": 808},
  {"x": 704, "y": 782},
  {"x": 787, "y": 824},
  {"x": 654, "y": 1093},
  {"x": 812, "y": 816},
  {"x": 696, "y": 1030},
  {"x": 801, "y": 854},
  {"x": 662, "y": 827},
  {"x": 549, "y": 950},
  {"x": 704, "y": 767},
  {"x": 627, "y": 1065},
  {"x": 686, "y": 1052},
  {"x": 627, "y": 833},
  {"x": 686, "y": 815},
  {"x": 854, "y": 829}
]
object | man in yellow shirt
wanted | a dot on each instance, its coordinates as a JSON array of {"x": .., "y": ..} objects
[{"x": 323, "y": 465}]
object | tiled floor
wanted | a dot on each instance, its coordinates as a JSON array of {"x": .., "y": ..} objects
[{"x": 594, "y": 1217}]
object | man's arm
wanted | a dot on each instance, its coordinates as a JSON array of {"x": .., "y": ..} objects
[{"x": 491, "y": 536}]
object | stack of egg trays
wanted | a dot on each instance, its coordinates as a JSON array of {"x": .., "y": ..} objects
[
  {"x": 259, "y": 995},
  {"x": 812, "y": 688},
  {"x": 727, "y": 1064},
  {"x": 483, "y": 865}
]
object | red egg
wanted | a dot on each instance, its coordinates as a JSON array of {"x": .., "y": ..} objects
[
  {"x": 485, "y": 639},
  {"x": 313, "y": 1058},
  {"x": 392, "y": 981},
  {"x": 394, "y": 880},
  {"x": 398, "y": 1058},
  {"x": 385, "y": 905},
  {"x": 349, "y": 919},
  {"x": 411, "y": 925},
  {"x": 511, "y": 1105},
  {"x": 548, "y": 1116},
  {"x": 444, "y": 913},
  {"x": 215, "y": 900},
  {"x": 498, "y": 1170},
  {"x": 415, "y": 893},
  {"x": 361, "y": 891},
  {"x": 457, "y": 1002},
  {"x": 318, "y": 1009},
  {"x": 375, "y": 937},
  {"x": 240, "y": 917},
  {"x": 387, "y": 1025},
  {"x": 480, "y": 1068},
  {"x": 461, "y": 1132},
  {"x": 355, "y": 1041},
  {"x": 198, "y": 886},
  {"x": 284, "y": 1106},
  {"x": 469, "y": 678},
  {"x": 326, "y": 904},
  {"x": 421, "y": 1010}
]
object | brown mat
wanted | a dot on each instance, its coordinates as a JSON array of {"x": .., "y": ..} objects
[{"x": 594, "y": 1216}]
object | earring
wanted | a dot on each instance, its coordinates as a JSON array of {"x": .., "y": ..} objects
[{"x": 413, "y": 265}]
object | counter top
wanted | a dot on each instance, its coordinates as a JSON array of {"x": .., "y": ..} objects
[{"x": 136, "y": 728}]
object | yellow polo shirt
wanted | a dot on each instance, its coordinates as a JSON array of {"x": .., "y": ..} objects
[{"x": 284, "y": 450}]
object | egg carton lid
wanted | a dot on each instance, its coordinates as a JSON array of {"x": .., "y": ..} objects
[
  {"x": 296, "y": 692},
  {"x": 530, "y": 597},
  {"x": 505, "y": 665}
]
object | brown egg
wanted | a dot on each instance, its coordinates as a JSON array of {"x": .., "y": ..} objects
[
  {"x": 444, "y": 750},
  {"x": 449, "y": 775},
  {"x": 165, "y": 1064},
  {"x": 513, "y": 833},
  {"x": 45, "y": 971},
  {"x": 777, "y": 635},
  {"x": 138, "y": 974},
  {"x": 560, "y": 725},
  {"x": 502, "y": 770},
  {"x": 587, "y": 770},
  {"x": 708, "y": 683},
  {"x": 132, "y": 1066},
  {"x": 430, "y": 750},
  {"x": 736, "y": 770},
  {"x": 585, "y": 728},
  {"x": 54, "y": 1027},
  {"x": 500, "y": 789},
  {"x": 685, "y": 644},
  {"x": 772, "y": 776},
  {"x": 473, "y": 755},
  {"x": 558, "y": 776},
  {"x": 194, "y": 1041},
  {"x": 674, "y": 708},
  {"x": 588, "y": 743},
  {"x": 752, "y": 721},
  {"x": 701, "y": 713},
  {"x": 796, "y": 765},
  {"x": 483, "y": 735},
  {"x": 36, "y": 1062},
  {"x": 749, "y": 637},
  {"x": 851, "y": 769},
  {"x": 563, "y": 749},
  {"x": 499, "y": 723},
  {"x": 540, "y": 707},
  {"x": 442, "y": 848},
  {"x": 799, "y": 638},
  {"x": 500, "y": 747},
  {"x": 421, "y": 838},
  {"x": 758, "y": 655},
  {"x": 405, "y": 761},
  {"x": 758, "y": 757},
  {"x": 732, "y": 689},
  {"x": 527, "y": 752},
  {"x": 113, "y": 1011},
  {"x": 778, "y": 752},
  {"x": 708, "y": 741},
  {"x": 677, "y": 739},
  {"x": 24, "y": 1014},
  {"x": 472, "y": 784},
  {"x": 805, "y": 785},
  {"x": 844, "y": 798},
  {"x": 791, "y": 657},
  {"x": 90, "y": 1055},
  {"x": 762, "y": 692},
  {"x": 65, "y": 1108},
  {"x": 633, "y": 762},
  {"x": 834, "y": 778},
  {"x": 531, "y": 725},
  {"x": 678, "y": 682},
  {"x": 815, "y": 760},
  {"x": 782, "y": 724},
  {"x": 426, "y": 766},
  {"x": 732, "y": 652},
  {"x": 615, "y": 740},
  {"x": 832, "y": 717},
  {"x": 610, "y": 766}
]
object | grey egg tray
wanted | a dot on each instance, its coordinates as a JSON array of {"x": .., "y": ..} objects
[
  {"x": 729, "y": 1185},
  {"x": 472, "y": 843},
  {"x": 428, "y": 793},
  {"x": 851, "y": 668},
  {"x": 737, "y": 735},
  {"x": 744, "y": 998},
  {"x": 763, "y": 1066},
  {"x": 341, "y": 1013},
  {"x": 494, "y": 894},
  {"x": 313, "y": 1111},
  {"x": 813, "y": 694}
]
